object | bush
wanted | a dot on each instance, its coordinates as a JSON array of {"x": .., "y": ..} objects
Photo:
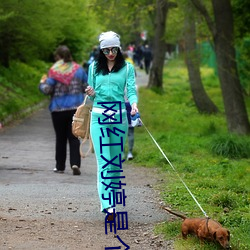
[
  {"x": 231, "y": 146},
  {"x": 224, "y": 200},
  {"x": 19, "y": 88}
]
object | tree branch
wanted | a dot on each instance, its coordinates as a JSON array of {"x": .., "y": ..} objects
[
  {"x": 202, "y": 9},
  {"x": 172, "y": 5}
]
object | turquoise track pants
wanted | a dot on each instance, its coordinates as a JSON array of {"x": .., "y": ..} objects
[{"x": 109, "y": 141}]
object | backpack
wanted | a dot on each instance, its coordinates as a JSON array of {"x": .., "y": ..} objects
[{"x": 81, "y": 126}]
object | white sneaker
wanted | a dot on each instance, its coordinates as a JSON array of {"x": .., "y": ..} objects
[
  {"x": 129, "y": 156},
  {"x": 76, "y": 170},
  {"x": 58, "y": 171}
]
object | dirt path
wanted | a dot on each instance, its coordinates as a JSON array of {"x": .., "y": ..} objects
[{"x": 43, "y": 210}]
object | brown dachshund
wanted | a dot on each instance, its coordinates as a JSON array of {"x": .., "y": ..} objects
[{"x": 204, "y": 229}]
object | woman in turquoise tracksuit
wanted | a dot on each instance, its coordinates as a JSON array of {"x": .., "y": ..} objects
[{"x": 108, "y": 77}]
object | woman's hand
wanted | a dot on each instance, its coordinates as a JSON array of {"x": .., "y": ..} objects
[
  {"x": 90, "y": 91},
  {"x": 134, "y": 109},
  {"x": 43, "y": 79}
]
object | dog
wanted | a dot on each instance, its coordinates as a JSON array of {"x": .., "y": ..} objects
[{"x": 204, "y": 229}]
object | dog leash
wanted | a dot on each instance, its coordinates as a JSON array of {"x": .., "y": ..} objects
[{"x": 174, "y": 169}]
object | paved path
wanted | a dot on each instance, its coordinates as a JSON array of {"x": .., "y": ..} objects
[
  {"x": 141, "y": 78},
  {"x": 40, "y": 209}
]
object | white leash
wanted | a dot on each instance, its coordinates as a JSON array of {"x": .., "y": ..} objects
[{"x": 174, "y": 169}]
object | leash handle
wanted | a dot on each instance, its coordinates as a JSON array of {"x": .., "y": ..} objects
[{"x": 174, "y": 170}]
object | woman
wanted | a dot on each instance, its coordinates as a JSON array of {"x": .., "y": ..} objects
[
  {"x": 65, "y": 83},
  {"x": 108, "y": 77}
]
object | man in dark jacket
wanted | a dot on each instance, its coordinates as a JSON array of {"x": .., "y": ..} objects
[{"x": 147, "y": 58}]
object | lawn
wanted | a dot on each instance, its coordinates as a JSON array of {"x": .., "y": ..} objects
[{"x": 214, "y": 164}]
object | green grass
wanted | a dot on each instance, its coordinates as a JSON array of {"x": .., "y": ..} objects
[
  {"x": 19, "y": 87},
  {"x": 214, "y": 164}
]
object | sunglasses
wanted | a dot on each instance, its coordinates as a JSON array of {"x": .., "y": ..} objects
[{"x": 106, "y": 51}]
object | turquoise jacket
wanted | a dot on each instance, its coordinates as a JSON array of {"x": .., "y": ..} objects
[{"x": 113, "y": 86}]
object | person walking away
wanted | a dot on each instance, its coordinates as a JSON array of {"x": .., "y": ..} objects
[
  {"x": 139, "y": 56},
  {"x": 147, "y": 54},
  {"x": 66, "y": 83},
  {"x": 108, "y": 78},
  {"x": 93, "y": 55}
]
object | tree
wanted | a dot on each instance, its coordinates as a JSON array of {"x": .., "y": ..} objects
[
  {"x": 28, "y": 33},
  {"x": 223, "y": 38},
  {"x": 127, "y": 17},
  {"x": 242, "y": 33},
  {"x": 201, "y": 99},
  {"x": 159, "y": 46},
  {"x": 241, "y": 17}
]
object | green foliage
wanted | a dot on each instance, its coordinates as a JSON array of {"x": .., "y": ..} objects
[
  {"x": 175, "y": 28},
  {"x": 231, "y": 146},
  {"x": 243, "y": 59},
  {"x": 219, "y": 183},
  {"x": 128, "y": 18},
  {"x": 28, "y": 33},
  {"x": 242, "y": 37},
  {"x": 170, "y": 230},
  {"x": 241, "y": 17},
  {"x": 175, "y": 25},
  {"x": 19, "y": 87},
  {"x": 224, "y": 200}
]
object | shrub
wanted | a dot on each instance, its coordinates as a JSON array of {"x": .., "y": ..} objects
[
  {"x": 223, "y": 200},
  {"x": 231, "y": 146}
]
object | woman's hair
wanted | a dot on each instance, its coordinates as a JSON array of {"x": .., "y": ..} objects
[
  {"x": 63, "y": 52},
  {"x": 102, "y": 67}
]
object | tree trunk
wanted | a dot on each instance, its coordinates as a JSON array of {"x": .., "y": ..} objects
[
  {"x": 235, "y": 109},
  {"x": 223, "y": 38},
  {"x": 201, "y": 99},
  {"x": 159, "y": 47}
]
